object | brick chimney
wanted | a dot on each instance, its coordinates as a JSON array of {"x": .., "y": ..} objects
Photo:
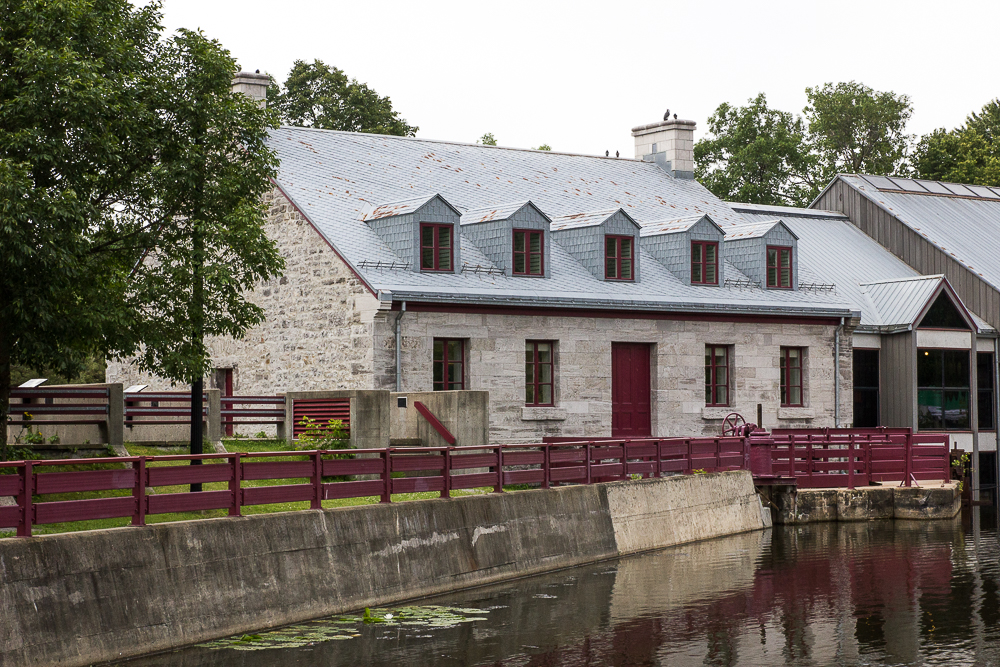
[
  {"x": 253, "y": 85},
  {"x": 668, "y": 143}
]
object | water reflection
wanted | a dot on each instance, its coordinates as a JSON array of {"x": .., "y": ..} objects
[{"x": 822, "y": 594}]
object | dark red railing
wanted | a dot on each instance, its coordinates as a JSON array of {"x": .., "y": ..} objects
[
  {"x": 62, "y": 413},
  {"x": 832, "y": 458},
  {"x": 160, "y": 408},
  {"x": 436, "y": 469},
  {"x": 238, "y": 410}
]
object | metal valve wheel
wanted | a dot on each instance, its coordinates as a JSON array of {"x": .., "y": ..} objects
[{"x": 733, "y": 425}]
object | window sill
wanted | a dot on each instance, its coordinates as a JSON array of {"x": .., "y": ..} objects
[
  {"x": 716, "y": 412},
  {"x": 531, "y": 413},
  {"x": 796, "y": 413}
]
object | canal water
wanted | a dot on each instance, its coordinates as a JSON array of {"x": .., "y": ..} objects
[{"x": 875, "y": 593}]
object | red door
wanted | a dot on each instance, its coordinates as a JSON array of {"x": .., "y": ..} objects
[{"x": 630, "y": 390}]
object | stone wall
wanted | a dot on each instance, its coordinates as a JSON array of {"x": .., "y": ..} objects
[
  {"x": 318, "y": 332},
  {"x": 495, "y": 362}
]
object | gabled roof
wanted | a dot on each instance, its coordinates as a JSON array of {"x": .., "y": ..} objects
[
  {"x": 901, "y": 304},
  {"x": 587, "y": 219},
  {"x": 331, "y": 177},
  {"x": 675, "y": 226},
  {"x": 500, "y": 212},
  {"x": 756, "y": 229},
  {"x": 402, "y": 207},
  {"x": 962, "y": 221}
]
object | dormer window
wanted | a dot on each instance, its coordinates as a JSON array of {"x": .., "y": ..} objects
[
  {"x": 704, "y": 263},
  {"x": 618, "y": 258},
  {"x": 529, "y": 258},
  {"x": 436, "y": 245},
  {"x": 779, "y": 267}
]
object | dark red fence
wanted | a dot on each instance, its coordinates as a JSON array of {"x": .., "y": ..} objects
[
  {"x": 436, "y": 469},
  {"x": 832, "y": 458},
  {"x": 320, "y": 410},
  {"x": 238, "y": 410},
  {"x": 160, "y": 408},
  {"x": 41, "y": 404}
]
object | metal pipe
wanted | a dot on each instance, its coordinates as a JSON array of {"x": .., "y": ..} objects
[
  {"x": 996, "y": 425},
  {"x": 399, "y": 349},
  {"x": 836, "y": 374}
]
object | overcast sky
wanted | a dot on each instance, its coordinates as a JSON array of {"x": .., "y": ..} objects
[{"x": 580, "y": 75}]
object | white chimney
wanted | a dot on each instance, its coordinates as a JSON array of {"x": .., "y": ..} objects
[
  {"x": 253, "y": 85},
  {"x": 668, "y": 143}
]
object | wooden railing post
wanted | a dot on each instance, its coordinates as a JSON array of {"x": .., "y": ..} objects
[
  {"x": 589, "y": 445},
  {"x": 446, "y": 491},
  {"x": 498, "y": 487},
  {"x": 659, "y": 458},
  {"x": 139, "y": 492},
  {"x": 850, "y": 463},
  {"x": 689, "y": 468},
  {"x": 317, "y": 480},
  {"x": 624, "y": 474},
  {"x": 235, "y": 486},
  {"x": 791, "y": 456},
  {"x": 546, "y": 465},
  {"x": 946, "y": 462},
  {"x": 386, "y": 475},
  {"x": 24, "y": 500},
  {"x": 907, "y": 459}
]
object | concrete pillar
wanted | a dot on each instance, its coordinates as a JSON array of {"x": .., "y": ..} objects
[
  {"x": 116, "y": 415},
  {"x": 253, "y": 85},
  {"x": 669, "y": 143},
  {"x": 213, "y": 426}
]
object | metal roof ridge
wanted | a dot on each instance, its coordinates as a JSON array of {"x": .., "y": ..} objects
[
  {"x": 462, "y": 143},
  {"x": 936, "y": 276}
]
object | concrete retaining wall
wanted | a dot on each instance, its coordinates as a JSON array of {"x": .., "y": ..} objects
[
  {"x": 79, "y": 598},
  {"x": 866, "y": 503}
]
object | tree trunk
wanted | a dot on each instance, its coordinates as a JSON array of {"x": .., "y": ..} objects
[
  {"x": 4, "y": 399},
  {"x": 198, "y": 333}
]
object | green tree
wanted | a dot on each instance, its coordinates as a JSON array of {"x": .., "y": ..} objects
[
  {"x": 318, "y": 95},
  {"x": 487, "y": 139},
  {"x": 755, "y": 154},
  {"x": 544, "y": 147},
  {"x": 967, "y": 154},
  {"x": 210, "y": 248},
  {"x": 857, "y": 130},
  {"x": 77, "y": 141}
]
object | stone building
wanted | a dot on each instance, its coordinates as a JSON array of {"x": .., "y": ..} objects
[{"x": 592, "y": 296}]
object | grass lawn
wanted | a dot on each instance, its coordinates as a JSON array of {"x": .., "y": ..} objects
[{"x": 232, "y": 446}]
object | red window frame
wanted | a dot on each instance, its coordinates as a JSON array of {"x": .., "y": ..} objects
[
  {"x": 776, "y": 281},
  {"x": 713, "y": 384},
  {"x": 613, "y": 262},
  {"x": 444, "y": 362},
  {"x": 703, "y": 264},
  {"x": 535, "y": 372},
  {"x": 527, "y": 254},
  {"x": 788, "y": 376},
  {"x": 435, "y": 247}
]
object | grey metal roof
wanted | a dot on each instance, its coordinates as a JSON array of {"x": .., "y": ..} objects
[
  {"x": 965, "y": 223},
  {"x": 588, "y": 219},
  {"x": 500, "y": 212},
  {"x": 673, "y": 226},
  {"x": 332, "y": 177},
  {"x": 390, "y": 209},
  {"x": 888, "y": 292},
  {"x": 754, "y": 229}
]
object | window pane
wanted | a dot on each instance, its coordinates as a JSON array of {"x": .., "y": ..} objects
[
  {"x": 710, "y": 274},
  {"x": 529, "y": 373},
  {"x": 696, "y": 273},
  {"x": 545, "y": 373},
  {"x": 626, "y": 269},
  {"x": 984, "y": 370},
  {"x": 546, "y": 391},
  {"x": 427, "y": 258},
  {"x": 720, "y": 356},
  {"x": 529, "y": 393},
  {"x": 956, "y": 368},
  {"x": 444, "y": 237},
  {"x": 626, "y": 247},
  {"x": 529, "y": 352},
  {"x": 710, "y": 253},
  {"x": 708, "y": 376},
  {"x": 929, "y": 408},
  {"x": 929, "y": 372},
  {"x": 454, "y": 350},
  {"x": 722, "y": 395},
  {"x": 708, "y": 392},
  {"x": 772, "y": 258},
  {"x": 708, "y": 356},
  {"x": 956, "y": 409},
  {"x": 721, "y": 373},
  {"x": 519, "y": 263},
  {"x": 518, "y": 241},
  {"x": 438, "y": 372},
  {"x": 536, "y": 265},
  {"x": 427, "y": 236},
  {"x": 795, "y": 377},
  {"x": 985, "y": 409},
  {"x": 545, "y": 352},
  {"x": 794, "y": 355},
  {"x": 786, "y": 258},
  {"x": 610, "y": 247},
  {"x": 796, "y": 395},
  {"x": 772, "y": 277},
  {"x": 786, "y": 278},
  {"x": 454, "y": 375},
  {"x": 696, "y": 252},
  {"x": 444, "y": 259},
  {"x": 438, "y": 350},
  {"x": 610, "y": 268},
  {"x": 536, "y": 242}
]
